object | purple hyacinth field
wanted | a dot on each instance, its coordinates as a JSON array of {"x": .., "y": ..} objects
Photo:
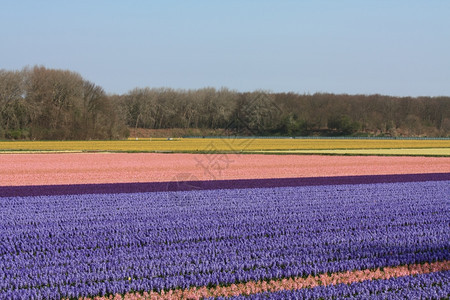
[{"x": 99, "y": 244}]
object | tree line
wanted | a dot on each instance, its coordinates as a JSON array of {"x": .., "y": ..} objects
[
  {"x": 39, "y": 103},
  {"x": 48, "y": 104}
]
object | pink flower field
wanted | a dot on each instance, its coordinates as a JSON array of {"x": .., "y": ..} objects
[{"x": 88, "y": 168}]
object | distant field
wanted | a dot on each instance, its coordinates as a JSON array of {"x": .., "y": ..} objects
[
  {"x": 210, "y": 145},
  {"x": 399, "y": 151}
]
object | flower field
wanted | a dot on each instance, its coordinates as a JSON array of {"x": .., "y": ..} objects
[
  {"x": 90, "y": 168},
  {"x": 170, "y": 226},
  {"x": 391, "y": 152},
  {"x": 211, "y": 145}
]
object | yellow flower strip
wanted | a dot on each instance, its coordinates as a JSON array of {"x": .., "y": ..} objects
[
  {"x": 223, "y": 145},
  {"x": 409, "y": 151},
  {"x": 287, "y": 283}
]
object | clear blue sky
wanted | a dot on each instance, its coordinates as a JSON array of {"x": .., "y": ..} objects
[{"x": 393, "y": 47}]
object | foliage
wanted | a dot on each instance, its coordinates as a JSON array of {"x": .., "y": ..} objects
[
  {"x": 42, "y": 103},
  {"x": 60, "y": 104},
  {"x": 342, "y": 125}
]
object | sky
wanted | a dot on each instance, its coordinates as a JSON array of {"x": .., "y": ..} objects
[{"x": 389, "y": 47}]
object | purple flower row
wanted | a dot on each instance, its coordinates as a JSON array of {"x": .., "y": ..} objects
[
  {"x": 97, "y": 244},
  {"x": 424, "y": 286},
  {"x": 173, "y": 186}
]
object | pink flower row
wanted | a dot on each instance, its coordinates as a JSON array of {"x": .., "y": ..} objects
[
  {"x": 287, "y": 284},
  {"x": 90, "y": 168}
]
